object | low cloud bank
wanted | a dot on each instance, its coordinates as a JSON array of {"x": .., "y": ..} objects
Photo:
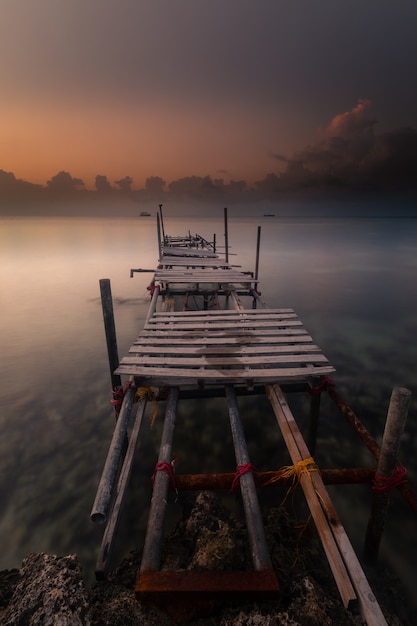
[{"x": 348, "y": 160}]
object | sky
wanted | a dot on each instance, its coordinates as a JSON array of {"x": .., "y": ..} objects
[{"x": 231, "y": 89}]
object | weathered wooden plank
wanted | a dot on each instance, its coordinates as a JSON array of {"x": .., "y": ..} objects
[
  {"x": 177, "y": 261},
  {"x": 185, "y": 251},
  {"x": 334, "y": 557},
  {"x": 177, "y": 376},
  {"x": 287, "y": 335},
  {"x": 222, "y": 313},
  {"x": 236, "y": 360},
  {"x": 203, "y": 276},
  {"x": 208, "y": 325},
  {"x": 256, "y": 349},
  {"x": 318, "y": 498},
  {"x": 193, "y": 319}
]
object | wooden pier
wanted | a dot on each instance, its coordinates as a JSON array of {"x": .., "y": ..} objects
[{"x": 222, "y": 348}]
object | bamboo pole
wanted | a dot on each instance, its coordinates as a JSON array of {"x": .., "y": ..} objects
[
  {"x": 110, "y": 330},
  {"x": 256, "y": 533},
  {"x": 258, "y": 247},
  {"x": 151, "y": 557},
  {"x": 387, "y": 464},
  {"x": 109, "y": 474},
  {"x": 160, "y": 243},
  {"x": 109, "y": 536},
  {"x": 409, "y": 494},
  {"x": 226, "y": 236},
  {"x": 162, "y": 222}
]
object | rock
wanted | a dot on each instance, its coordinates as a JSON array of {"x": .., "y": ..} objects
[{"x": 50, "y": 592}]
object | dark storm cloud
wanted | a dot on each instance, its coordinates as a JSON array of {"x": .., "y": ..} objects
[{"x": 350, "y": 155}]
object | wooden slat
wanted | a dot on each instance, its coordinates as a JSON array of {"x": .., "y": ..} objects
[
  {"x": 203, "y": 276},
  {"x": 222, "y": 313},
  {"x": 209, "y": 319},
  {"x": 289, "y": 336},
  {"x": 187, "y": 251},
  {"x": 256, "y": 349},
  {"x": 195, "y": 261},
  {"x": 208, "y": 325},
  {"x": 178, "y": 376},
  {"x": 236, "y": 360}
]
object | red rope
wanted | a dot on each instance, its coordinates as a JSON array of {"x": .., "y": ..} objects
[
  {"x": 322, "y": 386},
  {"x": 382, "y": 484},
  {"x": 168, "y": 468},
  {"x": 240, "y": 470},
  {"x": 118, "y": 395}
]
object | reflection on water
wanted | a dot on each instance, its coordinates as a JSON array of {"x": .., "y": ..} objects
[{"x": 352, "y": 283}]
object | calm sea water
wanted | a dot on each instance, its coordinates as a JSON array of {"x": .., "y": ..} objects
[{"x": 352, "y": 282}]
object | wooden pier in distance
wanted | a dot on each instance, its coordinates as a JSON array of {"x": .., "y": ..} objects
[{"x": 220, "y": 348}]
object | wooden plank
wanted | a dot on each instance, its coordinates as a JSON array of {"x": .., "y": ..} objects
[
  {"x": 319, "y": 500},
  {"x": 208, "y": 325},
  {"x": 178, "y": 376},
  {"x": 217, "y": 274},
  {"x": 237, "y": 360},
  {"x": 203, "y": 276},
  {"x": 222, "y": 312},
  {"x": 288, "y": 335},
  {"x": 176, "y": 261},
  {"x": 186, "y": 251},
  {"x": 274, "y": 320},
  {"x": 256, "y": 349}
]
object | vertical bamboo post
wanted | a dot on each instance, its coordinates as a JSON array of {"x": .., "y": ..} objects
[
  {"x": 256, "y": 532},
  {"x": 110, "y": 330},
  {"x": 258, "y": 247},
  {"x": 160, "y": 243},
  {"x": 162, "y": 222},
  {"x": 226, "y": 236},
  {"x": 151, "y": 556},
  {"x": 387, "y": 463}
]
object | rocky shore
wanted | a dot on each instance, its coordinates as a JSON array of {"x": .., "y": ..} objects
[{"x": 49, "y": 590}]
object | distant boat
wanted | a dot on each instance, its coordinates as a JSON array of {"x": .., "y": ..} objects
[
  {"x": 269, "y": 214},
  {"x": 144, "y": 214}
]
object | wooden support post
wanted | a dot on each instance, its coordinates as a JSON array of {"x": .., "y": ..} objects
[
  {"x": 226, "y": 236},
  {"x": 110, "y": 330},
  {"x": 109, "y": 537},
  {"x": 258, "y": 247},
  {"x": 151, "y": 557},
  {"x": 387, "y": 464},
  {"x": 160, "y": 242},
  {"x": 117, "y": 446},
  {"x": 162, "y": 222},
  {"x": 256, "y": 533}
]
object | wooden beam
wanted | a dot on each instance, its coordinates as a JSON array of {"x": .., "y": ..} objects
[{"x": 347, "y": 571}]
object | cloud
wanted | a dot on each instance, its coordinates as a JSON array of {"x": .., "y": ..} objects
[
  {"x": 349, "y": 156},
  {"x": 64, "y": 184}
]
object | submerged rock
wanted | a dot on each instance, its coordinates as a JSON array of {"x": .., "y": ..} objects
[{"x": 50, "y": 590}]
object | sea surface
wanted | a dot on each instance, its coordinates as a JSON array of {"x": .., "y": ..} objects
[{"x": 353, "y": 283}]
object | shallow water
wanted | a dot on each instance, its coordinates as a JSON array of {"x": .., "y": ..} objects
[{"x": 351, "y": 281}]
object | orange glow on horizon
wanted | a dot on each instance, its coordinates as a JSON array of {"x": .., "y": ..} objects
[{"x": 119, "y": 140}]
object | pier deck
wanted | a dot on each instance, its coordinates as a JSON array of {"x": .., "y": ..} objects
[{"x": 227, "y": 348}]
